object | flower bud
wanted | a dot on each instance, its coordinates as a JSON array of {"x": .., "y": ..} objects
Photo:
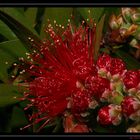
[
  {"x": 136, "y": 18},
  {"x": 112, "y": 65},
  {"x": 128, "y": 29},
  {"x": 131, "y": 79},
  {"x": 110, "y": 115},
  {"x": 127, "y": 14},
  {"x": 80, "y": 101},
  {"x": 131, "y": 107},
  {"x": 113, "y": 23},
  {"x": 134, "y": 43},
  {"x": 137, "y": 35}
]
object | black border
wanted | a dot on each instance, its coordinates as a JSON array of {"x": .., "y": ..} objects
[
  {"x": 69, "y": 1},
  {"x": 74, "y": 3},
  {"x": 69, "y": 4}
]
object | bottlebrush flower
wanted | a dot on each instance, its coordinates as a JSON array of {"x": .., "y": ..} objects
[
  {"x": 59, "y": 69},
  {"x": 109, "y": 115},
  {"x": 131, "y": 107}
]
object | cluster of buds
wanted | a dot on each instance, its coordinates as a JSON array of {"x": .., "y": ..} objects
[
  {"x": 125, "y": 28},
  {"x": 65, "y": 79},
  {"x": 124, "y": 91}
]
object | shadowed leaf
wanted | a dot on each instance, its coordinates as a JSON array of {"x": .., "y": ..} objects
[
  {"x": 88, "y": 13},
  {"x": 10, "y": 51},
  {"x": 8, "y": 94},
  {"x": 16, "y": 120},
  {"x": 19, "y": 29},
  {"x": 131, "y": 62},
  {"x": 6, "y": 32},
  {"x": 31, "y": 14}
]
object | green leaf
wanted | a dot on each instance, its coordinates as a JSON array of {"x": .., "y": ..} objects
[
  {"x": 39, "y": 19},
  {"x": 119, "y": 88},
  {"x": 6, "y": 32},
  {"x": 131, "y": 62},
  {"x": 88, "y": 13},
  {"x": 58, "y": 126},
  {"x": 8, "y": 94},
  {"x": 21, "y": 10},
  {"x": 20, "y": 30},
  {"x": 101, "y": 129},
  {"x": 19, "y": 17},
  {"x": 18, "y": 118},
  {"x": 31, "y": 14},
  {"x": 60, "y": 15},
  {"x": 10, "y": 51},
  {"x": 116, "y": 10},
  {"x": 98, "y": 36},
  {"x": 117, "y": 99}
]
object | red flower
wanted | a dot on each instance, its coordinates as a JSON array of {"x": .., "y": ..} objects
[{"x": 59, "y": 70}]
